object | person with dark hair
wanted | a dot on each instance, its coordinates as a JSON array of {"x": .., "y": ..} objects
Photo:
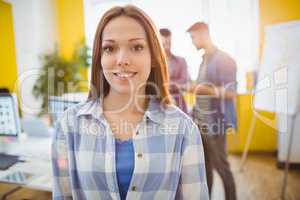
[
  {"x": 177, "y": 70},
  {"x": 214, "y": 111},
  {"x": 127, "y": 141}
]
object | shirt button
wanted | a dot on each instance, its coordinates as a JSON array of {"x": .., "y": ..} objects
[
  {"x": 140, "y": 155},
  {"x": 133, "y": 188}
]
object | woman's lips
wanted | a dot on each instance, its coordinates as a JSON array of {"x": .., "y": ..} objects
[{"x": 125, "y": 75}]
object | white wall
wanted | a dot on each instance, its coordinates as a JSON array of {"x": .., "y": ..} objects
[
  {"x": 178, "y": 16},
  {"x": 35, "y": 34}
]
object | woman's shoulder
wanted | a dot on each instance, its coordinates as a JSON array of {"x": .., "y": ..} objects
[
  {"x": 176, "y": 115},
  {"x": 72, "y": 112},
  {"x": 173, "y": 111},
  {"x": 163, "y": 111}
]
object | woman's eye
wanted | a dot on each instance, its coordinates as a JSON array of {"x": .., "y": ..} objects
[
  {"x": 138, "y": 47},
  {"x": 107, "y": 49}
]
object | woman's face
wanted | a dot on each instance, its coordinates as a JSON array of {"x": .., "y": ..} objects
[{"x": 126, "y": 57}]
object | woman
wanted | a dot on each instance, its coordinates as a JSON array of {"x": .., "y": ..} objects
[{"x": 127, "y": 141}]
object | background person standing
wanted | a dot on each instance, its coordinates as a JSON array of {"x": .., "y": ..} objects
[
  {"x": 214, "y": 111},
  {"x": 177, "y": 67}
]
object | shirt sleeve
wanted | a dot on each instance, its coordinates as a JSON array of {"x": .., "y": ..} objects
[
  {"x": 183, "y": 76},
  {"x": 192, "y": 183},
  {"x": 226, "y": 70},
  {"x": 60, "y": 166}
]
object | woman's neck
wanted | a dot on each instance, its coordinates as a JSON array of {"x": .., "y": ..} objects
[{"x": 124, "y": 103}]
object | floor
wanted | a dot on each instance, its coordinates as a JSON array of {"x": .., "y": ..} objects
[{"x": 260, "y": 180}]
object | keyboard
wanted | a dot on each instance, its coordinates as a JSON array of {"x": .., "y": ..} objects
[
  {"x": 17, "y": 177},
  {"x": 7, "y": 161}
]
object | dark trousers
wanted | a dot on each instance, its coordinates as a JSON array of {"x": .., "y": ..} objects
[{"x": 216, "y": 158}]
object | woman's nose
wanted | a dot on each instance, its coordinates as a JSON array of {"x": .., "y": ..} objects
[{"x": 123, "y": 59}]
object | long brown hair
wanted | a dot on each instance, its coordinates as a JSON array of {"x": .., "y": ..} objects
[{"x": 99, "y": 87}]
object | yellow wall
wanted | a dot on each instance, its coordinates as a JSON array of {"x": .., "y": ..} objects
[
  {"x": 8, "y": 65},
  {"x": 70, "y": 25},
  {"x": 277, "y": 11},
  {"x": 265, "y": 137},
  {"x": 70, "y": 21}
]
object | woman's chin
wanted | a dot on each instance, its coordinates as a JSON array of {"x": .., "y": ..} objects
[{"x": 123, "y": 90}]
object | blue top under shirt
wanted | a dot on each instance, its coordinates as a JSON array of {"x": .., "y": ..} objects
[{"x": 124, "y": 165}]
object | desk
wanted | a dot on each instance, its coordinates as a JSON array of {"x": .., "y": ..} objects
[{"x": 35, "y": 151}]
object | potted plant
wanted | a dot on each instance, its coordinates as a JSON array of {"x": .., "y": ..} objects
[{"x": 59, "y": 75}]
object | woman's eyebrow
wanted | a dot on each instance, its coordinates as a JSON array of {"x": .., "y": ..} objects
[
  {"x": 133, "y": 39},
  {"x": 130, "y": 40}
]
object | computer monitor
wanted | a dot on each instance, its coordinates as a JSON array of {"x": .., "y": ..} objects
[{"x": 9, "y": 116}]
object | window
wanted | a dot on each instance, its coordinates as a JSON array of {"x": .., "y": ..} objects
[{"x": 233, "y": 26}]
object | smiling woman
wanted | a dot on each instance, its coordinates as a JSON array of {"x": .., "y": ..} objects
[
  {"x": 126, "y": 56},
  {"x": 128, "y": 141},
  {"x": 139, "y": 44}
]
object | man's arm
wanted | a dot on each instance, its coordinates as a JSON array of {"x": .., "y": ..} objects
[
  {"x": 226, "y": 72},
  {"x": 183, "y": 76},
  {"x": 214, "y": 91},
  {"x": 226, "y": 86}
]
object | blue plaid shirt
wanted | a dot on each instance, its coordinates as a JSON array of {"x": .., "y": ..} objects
[{"x": 169, "y": 159}]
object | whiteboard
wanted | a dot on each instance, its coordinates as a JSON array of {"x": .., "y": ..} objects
[
  {"x": 284, "y": 124},
  {"x": 278, "y": 84}
]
